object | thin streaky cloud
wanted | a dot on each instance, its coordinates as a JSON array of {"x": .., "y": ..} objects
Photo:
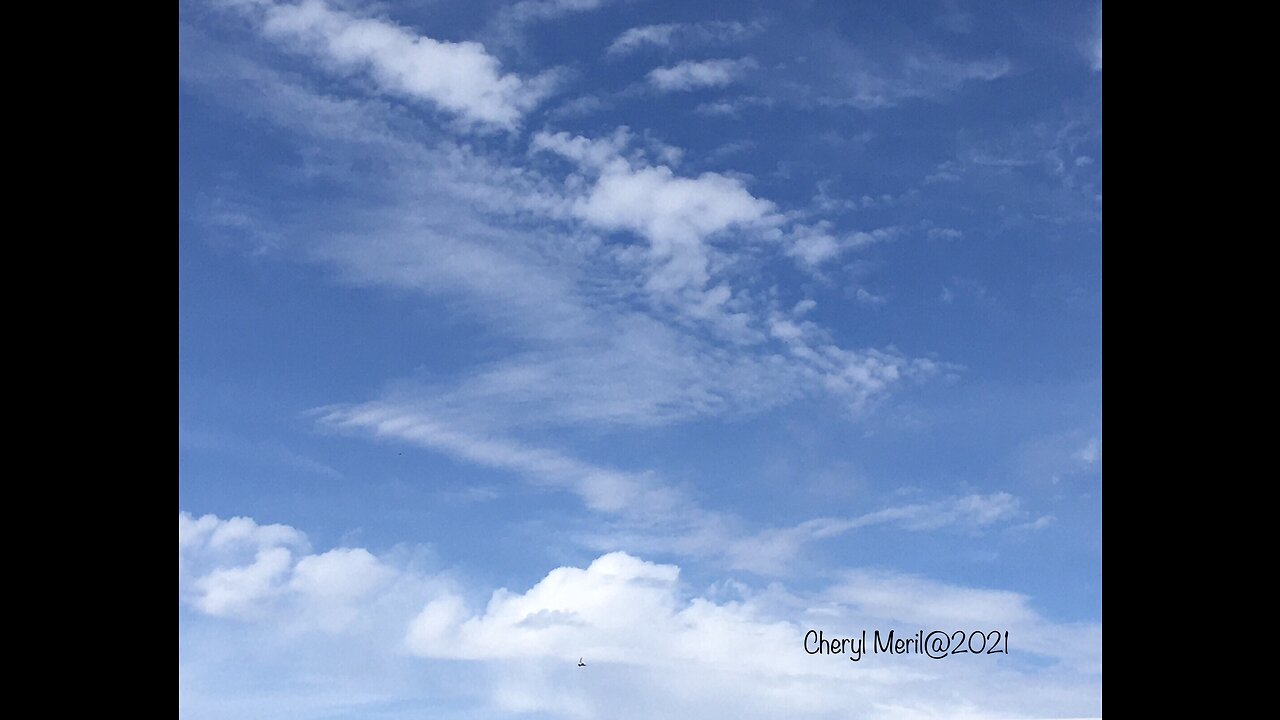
[
  {"x": 682, "y": 35},
  {"x": 652, "y": 515}
]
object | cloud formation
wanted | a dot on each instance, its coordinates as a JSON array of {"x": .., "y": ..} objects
[
  {"x": 675, "y": 214},
  {"x": 621, "y": 276},
  {"x": 698, "y": 74},
  {"x": 653, "y": 644},
  {"x": 461, "y": 78},
  {"x": 669, "y": 35},
  {"x": 1095, "y": 45},
  {"x": 872, "y": 83}
]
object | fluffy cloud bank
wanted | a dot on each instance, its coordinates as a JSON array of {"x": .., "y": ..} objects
[
  {"x": 236, "y": 568},
  {"x": 654, "y": 645}
]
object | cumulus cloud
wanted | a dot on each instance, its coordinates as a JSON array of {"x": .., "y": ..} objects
[
  {"x": 459, "y": 77},
  {"x": 675, "y": 214},
  {"x": 340, "y": 574},
  {"x": 654, "y": 644},
  {"x": 697, "y": 74},
  {"x": 710, "y": 657},
  {"x": 237, "y": 568},
  {"x": 813, "y": 245}
]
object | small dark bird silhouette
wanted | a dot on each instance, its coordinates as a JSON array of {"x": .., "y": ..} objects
[{"x": 580, "y": 663}]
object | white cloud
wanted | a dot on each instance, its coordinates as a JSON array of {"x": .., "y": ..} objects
[
  {"x": 233, "y": 535},
  {"x": 580, "y": 106},
  {"x": 866, "y": 297},
  {"x": 1062, "y": 456},
  {"x": 696, "y": 74},
  {"x": 734, "y": 106},
  {"x": 612, "y": 331},
  {"x": 1095, "y": 46},
  {"x": 969, "y": 511},
  {"x": 675, "y": 214},
  {"x": 943, "y": 233},
  {"x": 662, "y": 652},
  {"x": 720, "y": 107},
  {"x": 637, "y": 37},
  {"x": 459, "y": 77},
  {"x": 681, "y": 34},
  {"x": 771, "y": 551},
  {"x": 653, "y": 644},
  {"x": 516, "y": 250},
  {"x": 879, "y": 235},
  {"x": 1090, "y": 453},
  {"x": 509, "y": 25},
  {"x": 250, "y": 562},
  {"x": 236, "y": 591},
  {"x": 872, "y": 83},
  {"x": 1039, "y": 523},
  {"x": 238, "y": 569},
  {"x": 601, "y": 489},
  {"x": 644, "y": 512},
  {"x": 528, "y": 10},
  {"x": 814, "y": 245},
  {"x": 340, "y": 574}
]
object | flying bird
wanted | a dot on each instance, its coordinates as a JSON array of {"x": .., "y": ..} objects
[{"x": 580, "y": 663}]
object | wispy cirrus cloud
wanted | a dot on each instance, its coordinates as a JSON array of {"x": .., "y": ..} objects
[
  {"x": 918, "y": 76},
  {"x": 611, "y": 275},
  {"x": 601, "y": 489},
  {"x": 1095, "y": 44},
  {"x": 673, "y": 35},
  {"x": 844, "y": 73},
  {"x": 775, "y": 551},
  {"x": 645, "y": 513},
  {"x": 511, "y": 23}
]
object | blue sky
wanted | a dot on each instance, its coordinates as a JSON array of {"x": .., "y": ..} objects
[{"x": 656, "y": 333}]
